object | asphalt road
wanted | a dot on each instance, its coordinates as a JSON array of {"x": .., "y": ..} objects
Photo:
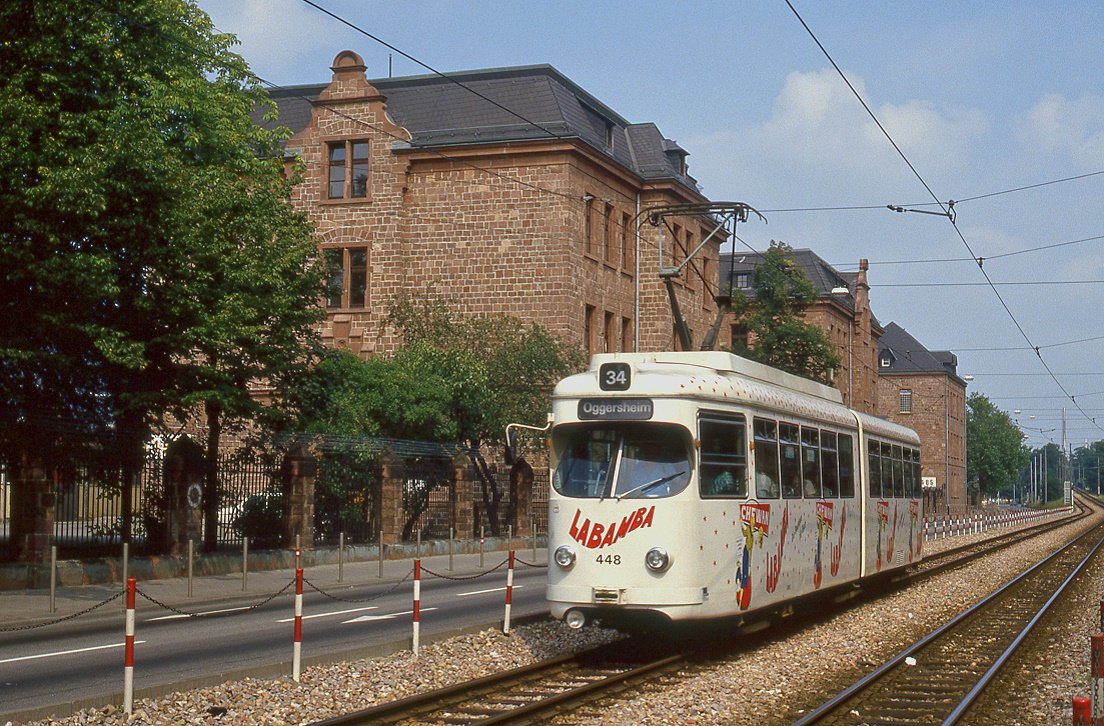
[{"x": 80, "y": 664}]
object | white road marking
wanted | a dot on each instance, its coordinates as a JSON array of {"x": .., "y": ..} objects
[
  {"x": 206, "y": 612},
  {"x": 484, "y": 592},
  {"x": 326, "y": 615},
  {"x": 68, "y": 652},
  {"x": 370, "y": 618}
]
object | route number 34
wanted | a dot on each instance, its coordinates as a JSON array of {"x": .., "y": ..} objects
[
  {"x": 609, "y": 559},
  {"x": 614, "y": 377}
]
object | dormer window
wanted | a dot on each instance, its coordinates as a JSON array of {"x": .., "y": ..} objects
[
  {"x": 348, "y": 169},
  {"x": 886, "y": 360}
]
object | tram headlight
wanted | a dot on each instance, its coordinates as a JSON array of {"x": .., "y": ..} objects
[
  {"x": 657, "y": 559},
  {"x": 564, "y": 557}
]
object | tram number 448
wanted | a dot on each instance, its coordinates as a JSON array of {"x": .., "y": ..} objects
[{"x": 608, "y": 559}]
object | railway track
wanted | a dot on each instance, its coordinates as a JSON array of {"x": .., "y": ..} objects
[
  {"x": 542, "y": 691},
  {"x": 938, "y": 678},
  {"x": 531, "y": 694}
]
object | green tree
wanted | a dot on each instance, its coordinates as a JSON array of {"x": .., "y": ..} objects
[
  {"x": 779, "y": 335},
  {"x": 151, "y": 261},
  {"x": 995, "y": 451},
  {"x": 454, "y": 379}
]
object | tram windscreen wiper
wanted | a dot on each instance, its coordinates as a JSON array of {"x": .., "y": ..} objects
[{"x": 649, "y": 485}]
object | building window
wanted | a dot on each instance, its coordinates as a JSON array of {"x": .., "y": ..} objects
[
  {"x": 588, "y": 328},
  {"x": 626, "y": 242},
  {"x": 588, "y": 223},
  {"x": 608, "y": 333},
  {"x": 348, "y": 169},
  {"x": 347, "y": 277},
  {"x": 626, "y": 335},
  {"x": 743, "y": 280},
  {"x": 885, "y": 361},
  {"x": 904, "y": 399},
  {"x": 739, "y": 333},
  {"x": 608, "y": 235}
]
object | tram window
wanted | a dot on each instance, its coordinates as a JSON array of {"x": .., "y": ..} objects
[
  {"x": 898, "y": 472},
  {"x": 723, "y": 471},
  {"x": 791, "y": 460},
  {"x": 914, "y": 465},
  {"x": 846, "y": 464},
  {"x": 829, "y": 465},
  {"x": 874, "y": 459},
  {"x": 766, "y": 459},
  {"x": 810, "y": 462},
  {"x": 624, "y": 461}
]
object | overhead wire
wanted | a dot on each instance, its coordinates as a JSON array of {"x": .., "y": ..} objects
[{"x": 947, "y": 208}]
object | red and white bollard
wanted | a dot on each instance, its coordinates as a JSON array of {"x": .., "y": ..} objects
[
  {"x": 128, "y": 658},
  {"x": 1082, "y": 712},
  {"x": 417, "y": 602},
  {"x": 1098, "y": 679},
  {"x": 297, "y": 652},
  {"x": 509, "y": 593}
]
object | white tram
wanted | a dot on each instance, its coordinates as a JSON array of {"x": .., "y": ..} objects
[{"x": 705, "y": 485}]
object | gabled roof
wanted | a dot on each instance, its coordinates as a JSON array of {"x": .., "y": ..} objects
[
  {"x": 441, "y": 112},
  {"x": 907, "y": 355}
]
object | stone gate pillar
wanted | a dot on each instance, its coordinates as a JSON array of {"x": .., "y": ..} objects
[
  {"x": 521, "y": 496},
  {"x": 184, "y": 474},
  {"x": 391, "y": 510},
  {"x": 300, "y": 471},
  {"x": 32, "y": 524},
  {"x": 463, "y": 490}
]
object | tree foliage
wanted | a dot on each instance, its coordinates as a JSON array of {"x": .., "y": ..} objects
[
  {"x": 454, "y": 379},
  {"x": 151, "y": 261},
  {"x": 779, "y": 335},
  {"x": 995, "y": 452}
]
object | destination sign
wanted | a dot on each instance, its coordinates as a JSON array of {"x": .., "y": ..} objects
[{"x": 615, "y": 409}]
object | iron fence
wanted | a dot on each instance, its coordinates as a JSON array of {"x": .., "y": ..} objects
[{"x": 96, "y": 509}]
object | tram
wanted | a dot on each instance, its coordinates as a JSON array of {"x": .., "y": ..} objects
[{"x": 695, "y": 485}]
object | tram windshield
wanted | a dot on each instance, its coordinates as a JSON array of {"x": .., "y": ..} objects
[{"x": 626, "y": 461}]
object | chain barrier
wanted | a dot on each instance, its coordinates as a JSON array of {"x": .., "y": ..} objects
[
  {"x": 464, "y": 577},
  {"x": 87, "y": 610},
  {"x": 385, "y": 593},
  {"x": 530, "y": 564},
  {"x": 235, "y": 611}
]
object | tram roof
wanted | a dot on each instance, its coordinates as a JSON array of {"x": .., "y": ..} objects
[{"x": 669, "y": 374}]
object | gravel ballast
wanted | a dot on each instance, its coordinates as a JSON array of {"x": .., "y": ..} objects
[{"x": 771, "y": 684}]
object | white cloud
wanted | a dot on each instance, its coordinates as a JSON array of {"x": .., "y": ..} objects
[
  {"x": 819, "y": 137},
  {"x": 279, "y": 37},
  {"x": 1072, "y": 127}
]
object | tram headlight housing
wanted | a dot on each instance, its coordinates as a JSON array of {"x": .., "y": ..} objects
[
  {"x": 657, "y": 559},
  {"x": 564, "y": 556}
]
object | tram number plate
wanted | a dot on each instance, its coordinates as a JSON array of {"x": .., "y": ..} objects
[
  {"x": 608, "y": 559},
  {"x": 614, "y": 376}
]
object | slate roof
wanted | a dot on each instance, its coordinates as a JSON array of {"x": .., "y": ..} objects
[
  {"x": 823, "y": 276},
  {"x": 907, "y": 355},
  {"x": 440, "y": 112}
]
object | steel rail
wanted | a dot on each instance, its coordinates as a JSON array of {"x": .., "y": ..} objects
[
  {"x": 871, "y": 678},
  {"x": 420, "y": 705}
]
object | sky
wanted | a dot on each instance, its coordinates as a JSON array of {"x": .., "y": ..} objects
[{"x": 980, "y": 98}]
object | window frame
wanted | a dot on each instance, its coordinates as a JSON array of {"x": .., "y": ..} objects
[
  {"x": 348, "y": 275},
  {"x": 735, "y": 463},
  {"x": 348, "y": 165}
]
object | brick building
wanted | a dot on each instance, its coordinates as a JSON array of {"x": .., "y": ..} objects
[
  {"x": 842, "y": 310},
  {"x": 503, "y": 191},
  {"x": 921, "y": 389}
]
